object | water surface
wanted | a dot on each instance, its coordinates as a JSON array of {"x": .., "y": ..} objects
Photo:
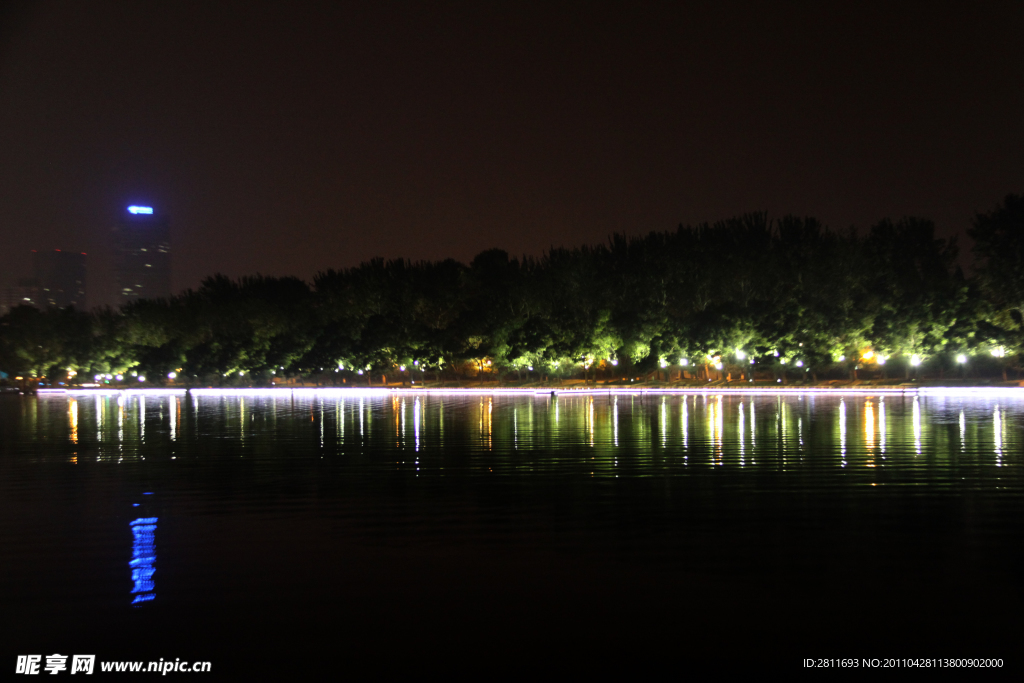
[{"x": 400, "y": 530}]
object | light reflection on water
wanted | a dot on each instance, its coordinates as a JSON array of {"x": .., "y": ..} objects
[
  {"x": 278, "y": 495},
  {"x": 623, "y": 435}
]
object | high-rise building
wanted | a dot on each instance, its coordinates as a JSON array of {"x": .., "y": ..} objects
[
  {"x": 60, "y": 278},
  {"x": 142, "y": 255}
]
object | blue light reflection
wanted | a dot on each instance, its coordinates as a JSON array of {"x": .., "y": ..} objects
[{"x": 143, "y": 559}]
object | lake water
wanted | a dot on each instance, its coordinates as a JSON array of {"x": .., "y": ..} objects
[{"x": 335, "y": 530}]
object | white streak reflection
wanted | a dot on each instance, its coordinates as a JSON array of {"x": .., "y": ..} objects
[
  {"x": 615, "y": 421},
  {"x": 172, "y": 410},
  {"x": 997, "y": 433},
  {"x": 664, "y": 422},
  {"x": 742, "y": 429},
  {"x": 842, "y": 432},
  {"x": 881, "y": 427},
  {"x": 416, "y": 422},
  {"x": 686, "y": 422},
  {"x": 917, "y": 426}
]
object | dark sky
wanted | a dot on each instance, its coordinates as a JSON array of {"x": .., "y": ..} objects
[{"x": 287, "y": 138}]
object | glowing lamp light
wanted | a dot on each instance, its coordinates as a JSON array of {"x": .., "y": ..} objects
[
  {"x": 998, "y": 352},
  {"x": 171, "y": 375},
  {"x": 119, "y": 377},
  {"x": 360, "y": 372},
  {"x": 97, "y": 377},
  {"x": 915, "y": 360},
  {"x": 136, "y": 210},
  {"x": 415, "y": 362},
  {"x": 662, "y": 363},
  {"x": 718, "y": 366},
  {"x": 799, "y": 363},
  {"x": 740, "y": 354},
  {"x": 782, "y": 360},
  {"x": 881, "y": 360},
  {"x": 961, "y": 358},
  {"x": 142, "y": 378},
  {"x": 868, "y": 355},
  {"x": 530, "y": 368},
  {"x": 842, "y": 358},
  {"x": 401, "y": 368},
  {"x": 683, "y": 361},
  {"x": 241, "y": 372},
  {"x": 110, "y": 376},
  {"x": 614, "y": 361}
]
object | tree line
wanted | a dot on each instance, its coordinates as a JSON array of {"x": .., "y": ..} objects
[{"x": 745, "y": 295}]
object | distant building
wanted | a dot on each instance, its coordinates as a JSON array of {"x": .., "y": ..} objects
[
  {"x": 142, "y": 255},
  {"x": 25, "y": 293},
  {"x": 60, "y": 278}
]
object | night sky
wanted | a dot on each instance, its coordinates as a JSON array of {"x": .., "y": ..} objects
[{"x": 287, "y": 138}]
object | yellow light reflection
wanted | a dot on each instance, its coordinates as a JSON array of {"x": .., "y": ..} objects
[
  {"x": 395, "y": 411},
  {"x": 715, "y": 420},
  {"x": 73, "y": 419}
]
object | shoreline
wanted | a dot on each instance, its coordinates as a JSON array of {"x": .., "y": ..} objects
[{"x": 902, "y": 390}]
